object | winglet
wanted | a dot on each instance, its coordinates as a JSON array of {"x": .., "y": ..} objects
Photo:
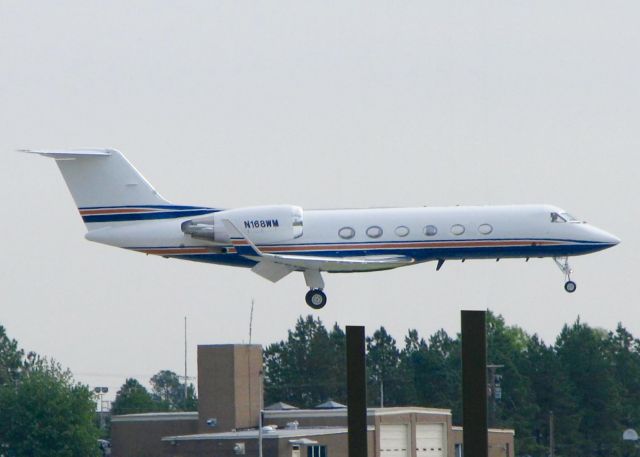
[{"x": 243, "y": 245}]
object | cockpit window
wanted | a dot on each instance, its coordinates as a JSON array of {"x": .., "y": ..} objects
[{"x": 561, "y": 218}]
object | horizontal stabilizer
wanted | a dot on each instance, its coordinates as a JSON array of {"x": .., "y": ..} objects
[{"x": 69, "y": 154}]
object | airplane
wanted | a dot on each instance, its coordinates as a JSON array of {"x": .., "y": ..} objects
[{"x": 120, "y": 208}]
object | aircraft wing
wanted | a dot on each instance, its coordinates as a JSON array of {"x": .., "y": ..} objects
[
  {"x": 276, "y": 266},
  {"x": 341, "y": 264}
]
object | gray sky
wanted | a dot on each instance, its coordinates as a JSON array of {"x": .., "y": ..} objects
[{"x": 318, "y": 104}]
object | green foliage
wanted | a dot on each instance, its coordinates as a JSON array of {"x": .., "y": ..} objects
[
  {"x": 170, "y": 392},
  {"x": 133, "y": 398},
  {"x": 44, "y": 413},
  {"x": 589, "y": 379},
  {"x": 309, "y": 368},
  {"x": 167, "y": 395},
  {"x": 10, "y": 358}
]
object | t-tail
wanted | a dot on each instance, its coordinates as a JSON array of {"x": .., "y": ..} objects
[{"x": 107, "y": 189}]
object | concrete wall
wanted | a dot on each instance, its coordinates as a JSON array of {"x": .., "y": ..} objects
[
  {"x": 337, "y": 445},
  {"x": 501, "y": 442}
]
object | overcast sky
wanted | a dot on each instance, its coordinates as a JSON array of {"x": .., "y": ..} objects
[{"x": 322, "y": 105}]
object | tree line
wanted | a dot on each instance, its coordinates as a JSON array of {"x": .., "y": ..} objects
[{"x": 589, "y": 378}]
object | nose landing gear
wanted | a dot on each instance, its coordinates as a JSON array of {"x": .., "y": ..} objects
[{"x": 563, "y": 264}]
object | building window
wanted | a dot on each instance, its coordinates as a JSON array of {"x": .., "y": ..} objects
[
  {"x": 317, "y": 451},
  {"x": 457, "y": 229},
  {"x": 402, "y": 231},
  {"x": 347, "y": 233},
  {"x": 374, "y": 231},
  {"x": 431, "y": 230},
  {"x": 485, "y": 229}
]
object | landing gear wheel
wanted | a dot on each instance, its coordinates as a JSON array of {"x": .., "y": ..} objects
[
  {"x": 316, "y": 298},
  {"x": 570, "y": 286}
]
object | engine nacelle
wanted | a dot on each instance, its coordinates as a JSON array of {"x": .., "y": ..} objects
[{"x": 261, "y": 224}]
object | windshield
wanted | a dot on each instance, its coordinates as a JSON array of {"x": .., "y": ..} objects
[{"x": 560, "y": 218}]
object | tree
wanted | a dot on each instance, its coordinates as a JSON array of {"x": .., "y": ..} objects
[
  {"x": 386, "y": 375},
  {"x": 587, "y": 360},
  {"x": 434, "y": 370},
  {"x": 10, "y": 358},
  {"x": 46, "y": 414},
  {"x": 170, "y": 392},
  {"x": 133, "y": 398},
  {"x": 309, "y": 367}
]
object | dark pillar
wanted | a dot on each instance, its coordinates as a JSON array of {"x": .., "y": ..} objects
[
  {"x": 474, "y": 384},
  {"x": 356, "y": 392}
]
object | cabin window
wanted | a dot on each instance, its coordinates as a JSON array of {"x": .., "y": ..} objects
[
  {"x": 485, "y": 229},
  {"x": 374, "y": 231},
  {"x": 402, "y": 230},
  {"x": 431, "y": 230},
  {"x": 457, "y": 229},
  {"x": 346, "y": 233}
]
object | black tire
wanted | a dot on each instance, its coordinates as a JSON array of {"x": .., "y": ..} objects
[
  {"x": 570, "y": 286},
  {"x": 316, "y": 299}
]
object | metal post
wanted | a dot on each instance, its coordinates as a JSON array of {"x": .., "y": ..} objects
[
  {"x": 260, "y": 419},
  {"x": 186, "y": 389},
  {"x": 474, "y": 383},
  {"x": 356, "y": 392},
  {"x": 552, "y": 439}
]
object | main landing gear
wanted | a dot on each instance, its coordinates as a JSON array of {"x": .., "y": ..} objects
[
  {"x": 315, "y": 298},
  {"x": 563, "y": 264}
]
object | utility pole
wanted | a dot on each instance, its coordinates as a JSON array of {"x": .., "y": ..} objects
[
  {"x": 495, "y": 392},
  {"x": 186, "y": 390},
  {"x": 251, "y": 321},
  {"x": 552, "y": 439}
]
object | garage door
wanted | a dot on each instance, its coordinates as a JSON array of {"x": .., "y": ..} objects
[
  {"x": 430, "y": 440},
  {"x": 394, "y": 441}
]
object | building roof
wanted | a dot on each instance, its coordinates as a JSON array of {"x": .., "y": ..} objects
[
  {"x": 509, "y": 431},
  {"x": 273, "y": 434},
  {"x": 342, "y": 412},
  {"x": 279, "y": 406},
  {"x": 174, "y": 416},
  {"x": 330, "y": 404}
]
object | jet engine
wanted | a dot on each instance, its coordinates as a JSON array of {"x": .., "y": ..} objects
[{"x": 261, "y": 224}]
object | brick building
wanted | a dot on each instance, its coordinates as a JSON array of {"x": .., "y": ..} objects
[{"x": 226, "y": 423}]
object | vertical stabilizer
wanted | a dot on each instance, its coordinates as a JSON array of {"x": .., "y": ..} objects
[
  {"x": 103, "y": 178},
  {"x": 107, "y": 188}
]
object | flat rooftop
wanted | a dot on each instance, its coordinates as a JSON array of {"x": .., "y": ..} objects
[{"x": 271, "y": 434}]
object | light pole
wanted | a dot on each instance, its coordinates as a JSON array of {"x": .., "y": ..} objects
[{"x": 100, "y": 391}]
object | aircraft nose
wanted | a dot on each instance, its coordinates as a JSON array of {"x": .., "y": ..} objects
[{"x": 603, "y": 237}]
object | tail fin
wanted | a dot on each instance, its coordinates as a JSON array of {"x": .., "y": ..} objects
[{"x": 107, "y": 188}]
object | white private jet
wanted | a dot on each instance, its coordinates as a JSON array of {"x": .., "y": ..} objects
[{"x": 120, "y": 208}]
